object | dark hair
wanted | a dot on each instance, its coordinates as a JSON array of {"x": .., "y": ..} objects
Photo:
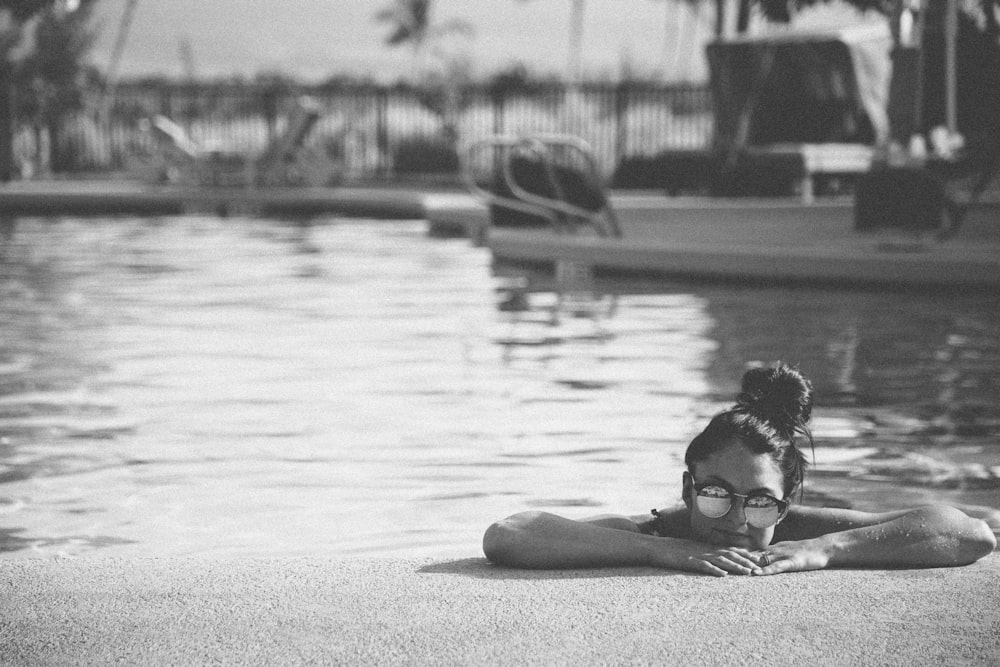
[{"x": 773, "y": 407}]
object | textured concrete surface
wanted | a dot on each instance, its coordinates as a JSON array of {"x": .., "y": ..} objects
[
  {"x": 466, "y": 611},
  {"x": 775, "y": 240},
  {"x": 124, "y": 197}
]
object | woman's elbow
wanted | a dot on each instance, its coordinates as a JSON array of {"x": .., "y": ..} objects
[
  {"x": 494, "y": 543},
  {"x": 502, "y": 541},
  {"x": 975, "y": 537},
  {"x": 981, "y": 541}
]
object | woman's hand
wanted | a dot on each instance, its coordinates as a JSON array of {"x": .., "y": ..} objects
[
  {"x": 792, "y": 557},
  {"x": 720, "y": 562}
]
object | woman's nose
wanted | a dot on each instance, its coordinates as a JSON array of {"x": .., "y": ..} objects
[{"x": 737, "y": 513}]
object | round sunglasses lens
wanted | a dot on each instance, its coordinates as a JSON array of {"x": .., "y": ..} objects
[
  {"x": 713, "y": 507},
  {"x": 762, "y": 517}
]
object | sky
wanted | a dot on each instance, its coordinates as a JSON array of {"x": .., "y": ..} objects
[{"x": 313, "y": 40}]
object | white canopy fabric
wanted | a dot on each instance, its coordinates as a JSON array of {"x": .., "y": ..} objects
[{"x": 802, "y": 87}]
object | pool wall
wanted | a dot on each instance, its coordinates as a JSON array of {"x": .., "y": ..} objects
[{"x": 98, "y": 198}]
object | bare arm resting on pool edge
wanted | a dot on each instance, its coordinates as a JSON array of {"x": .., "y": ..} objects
[
  {"x": 924, "y": 537},
  {"x": 932, "y": 536},
  {"x": 540, "y": 540}
]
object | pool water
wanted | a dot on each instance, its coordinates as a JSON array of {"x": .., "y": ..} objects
[{"x": 229, "y": 387}]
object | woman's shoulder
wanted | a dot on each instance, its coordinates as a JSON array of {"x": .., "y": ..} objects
[{"x": 668, "y": 522}]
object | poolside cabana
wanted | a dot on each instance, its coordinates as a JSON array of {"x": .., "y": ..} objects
[{"x": 798, "y": 104}]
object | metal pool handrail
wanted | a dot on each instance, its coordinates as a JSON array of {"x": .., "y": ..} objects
[
  {"x": 489, "y": 197},
  {"x": 560, "y": 212}
]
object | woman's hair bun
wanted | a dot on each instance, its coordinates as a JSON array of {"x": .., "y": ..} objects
[{"x": 780, "y": 395}]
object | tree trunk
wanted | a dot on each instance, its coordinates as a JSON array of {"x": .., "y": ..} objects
[
  {"x": 720, "y": 18},
  {"x": 55, "y": 150},
  {"x": 7, "y": 167},
  {"x": 743, "y": 17},
  {"x": 575, "y": 69}
]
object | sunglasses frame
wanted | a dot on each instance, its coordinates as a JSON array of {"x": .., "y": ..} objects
[{"x": 782, "y": 505}]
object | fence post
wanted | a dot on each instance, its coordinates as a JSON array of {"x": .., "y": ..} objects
[
  {"x": 621, "y": 105},
  {"x": 6, "y": 121},
  {"x": 498, "y": 111},
  {"x": 165, "y": 102},
  {"x": 498, "y": 96},
  {"x": 382, "y": 130},
  {"x": 269, "y": 109}
]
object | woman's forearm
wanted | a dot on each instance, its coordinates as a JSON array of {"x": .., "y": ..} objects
[
  {"x": 540, "y": 540},
  {"x": 544, "y": 541},
  {"x": 924, "y": 537}
]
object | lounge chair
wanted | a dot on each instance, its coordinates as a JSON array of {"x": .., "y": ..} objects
[
  {"x": 285, "y": 161},
  {"x": 180, "y": 159}
]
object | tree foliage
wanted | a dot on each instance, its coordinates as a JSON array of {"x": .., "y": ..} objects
[
  {"x": 22, "y": 10},
  {"x": 410, "y": 23},
  {"x": 34, "y": 18},
  {"x": 52, "y": 75},
  {"x": 408, "y": 20},
  {"x": 43, "y": 47}
]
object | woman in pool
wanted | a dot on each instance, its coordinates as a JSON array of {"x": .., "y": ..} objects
[{"x": 738, "y": 518}]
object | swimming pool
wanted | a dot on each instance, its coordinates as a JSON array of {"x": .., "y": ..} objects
[{"x": 219, "y": 387}]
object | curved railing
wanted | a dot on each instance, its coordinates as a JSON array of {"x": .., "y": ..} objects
[{"x": 551, "y": 176}]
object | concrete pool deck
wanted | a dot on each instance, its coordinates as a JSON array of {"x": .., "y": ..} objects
[
  {"x": 769, "y": 241},
  {"x": 466, "y": 611},
  {"x": 125, "y": 197},
  {"x": 748, "y": 240}
]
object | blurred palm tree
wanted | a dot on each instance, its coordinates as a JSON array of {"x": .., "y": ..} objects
[
  {"x": 410, "y": 23},
  {"x": 409, "y": 20},
  {"x": 44, "y": 78}
]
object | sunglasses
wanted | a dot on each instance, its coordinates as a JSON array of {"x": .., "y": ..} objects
[{"x": 762, "y": 510}]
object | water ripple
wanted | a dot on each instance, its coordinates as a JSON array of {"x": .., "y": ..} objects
[{"x": 244, "y": 386}]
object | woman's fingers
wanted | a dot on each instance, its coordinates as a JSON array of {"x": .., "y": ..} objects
[
  {"x": 711, "y": 564},
  {"x": 791, "y": 557},
  {"x": 743, "y": 560},
  {"x": 777, "y": 567},
  {"x": 710, "y": 568},
  {"x": 732, "y": 561}
]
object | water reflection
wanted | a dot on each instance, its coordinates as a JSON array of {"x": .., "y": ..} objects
[
  {"x": 929, "y": 355},
  {"x": 908, "y": 389},
  {"x": 261, "y": 387}
]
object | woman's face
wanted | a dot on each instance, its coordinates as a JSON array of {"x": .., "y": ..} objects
[{"x": 740, "y": 471}]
